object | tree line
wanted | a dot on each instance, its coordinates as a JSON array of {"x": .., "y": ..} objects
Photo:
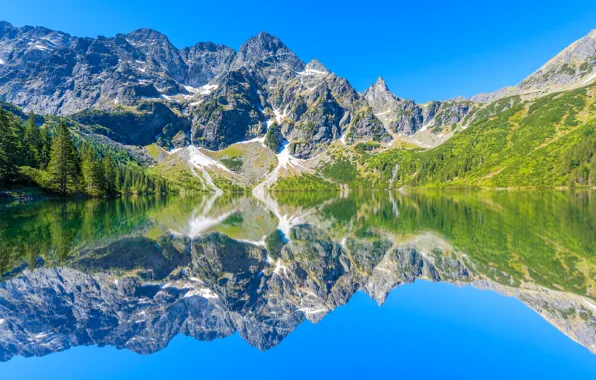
[{"x": 29, "y": 153}]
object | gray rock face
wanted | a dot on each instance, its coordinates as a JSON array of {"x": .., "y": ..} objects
[
  {"x": 268, "y": 55},
  {"x": 206, "y": 61},
  {"x": 406, "y": 117},
  {"x": 366, "y": 126},
  {"x": 233, "y": 113},
  {"x": 138, "y": 88}
]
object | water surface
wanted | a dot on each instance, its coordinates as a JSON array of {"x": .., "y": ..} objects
[{"x": 303, "y": 284}]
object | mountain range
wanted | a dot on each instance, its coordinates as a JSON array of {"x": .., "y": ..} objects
[{"x": 227, "y": 116}]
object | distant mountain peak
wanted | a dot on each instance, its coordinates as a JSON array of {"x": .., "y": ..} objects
[
  {"x": 315, "y": 64},
  {"x": 146, "y": 34},
  {"x": 381, "y": 84},
  {"x": 266, "y": 47},
  {"x": 263, "y": 41}
]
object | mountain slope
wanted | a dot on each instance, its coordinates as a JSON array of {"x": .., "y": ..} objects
[
  {"x": 570, "y": 69},
  {"x": 550, "y": 141}
]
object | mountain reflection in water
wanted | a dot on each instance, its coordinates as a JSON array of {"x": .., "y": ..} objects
[{"x": 135, "y": 272}]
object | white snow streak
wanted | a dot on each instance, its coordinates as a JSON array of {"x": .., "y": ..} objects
[
  {"x": 207, "y": 89},
  {"x": 590, "y": 78},
  {"x": 200, "y": 159}
]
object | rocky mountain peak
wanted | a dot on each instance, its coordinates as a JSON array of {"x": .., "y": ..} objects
[
  {"x": 316, "y": 65},
  {"x": 266, "y": 47},
  {"x": 378, "y": 90},
  {"x": 145, "y": 35},
  {"x": 380, "y": 84}
]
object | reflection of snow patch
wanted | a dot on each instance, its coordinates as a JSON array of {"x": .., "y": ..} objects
[
  {"x": 191, "y": 89},
  {"x": 279, "y": 116},
  {"x": 200, "y": 224},
  {"x": 202, "y": 292},
  {"x": 2, "y": 61},
  {"x": 280, "y": 268},
  {"x": 312, "y": 310},
  {"x": 260, "y": 243}
]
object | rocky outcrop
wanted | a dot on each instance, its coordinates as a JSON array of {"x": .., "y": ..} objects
[
  {"x": 406, "y": 117},
  {"x": 232, "y": 114}
]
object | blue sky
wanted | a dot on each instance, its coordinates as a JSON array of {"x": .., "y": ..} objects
[
  {"x": 425, "y": 50},
  {"x": 423, "y": 330}
]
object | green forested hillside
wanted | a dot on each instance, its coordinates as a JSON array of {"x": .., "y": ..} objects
[
  {"x": 550, "y": 141},
  {"x": 62, "y": 157}
]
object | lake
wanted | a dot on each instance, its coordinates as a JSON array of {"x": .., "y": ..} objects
[{"x": 467, "y": 284}]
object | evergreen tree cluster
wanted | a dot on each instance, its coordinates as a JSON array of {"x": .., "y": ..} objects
[{"x": 52, "y": 161}]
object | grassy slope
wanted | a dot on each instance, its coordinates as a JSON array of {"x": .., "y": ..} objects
[{"x": 547, "y": 142}]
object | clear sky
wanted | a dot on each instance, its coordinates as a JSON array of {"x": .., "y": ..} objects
[
  {"x": 424, "y": 49},
  {"x": 423, "y": 330}
]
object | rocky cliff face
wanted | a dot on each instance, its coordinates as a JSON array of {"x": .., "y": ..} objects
[
  {"x": 138, "y": 88},
  {"x": 406, "y": 117}
]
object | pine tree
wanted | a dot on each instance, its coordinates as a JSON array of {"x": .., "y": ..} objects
[
  {"x": 127, "y": 182},
  {"x": 8, "y": 149},
  {"x": 92, "y": 172},
  {"x": 63, "y": 161},
  {"x": 33, "y": 146},
  {"x": 87, "y": 157},
  {"x": 46, "y": 149},
  {"x": 119, "y": 180},
  {"x": 109, "y": 171}
]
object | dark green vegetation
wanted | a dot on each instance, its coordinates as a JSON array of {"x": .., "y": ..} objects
[
  {"x": 62, "y": 160},
  {"x": 548, "y": 142},
  {"x": 274, "y": 138},
  {"x": 341, "y": 171},
  {"x": 232, "y": 163}
]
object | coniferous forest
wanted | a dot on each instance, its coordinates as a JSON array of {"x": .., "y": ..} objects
[{"x": 53, "y": 159}]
